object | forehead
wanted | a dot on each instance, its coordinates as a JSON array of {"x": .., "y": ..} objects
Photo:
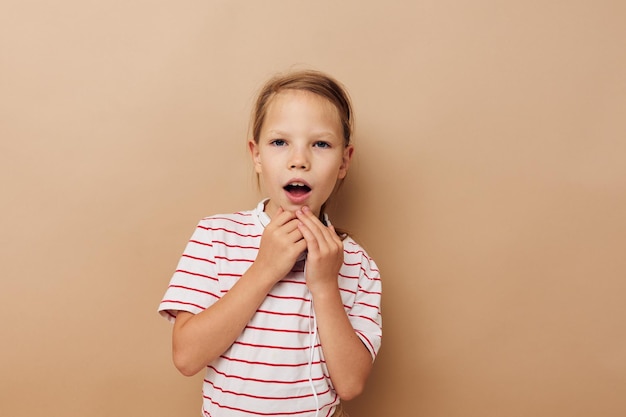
[{"x": 289, "y": 103}]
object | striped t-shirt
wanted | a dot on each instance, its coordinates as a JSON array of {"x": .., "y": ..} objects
[{"x": 272, "y": 368}]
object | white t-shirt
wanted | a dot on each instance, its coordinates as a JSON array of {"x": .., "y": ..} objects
[{"x": 276, "y": 364}]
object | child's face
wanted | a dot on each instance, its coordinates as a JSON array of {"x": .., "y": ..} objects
[{"x": 301, "y": 154}]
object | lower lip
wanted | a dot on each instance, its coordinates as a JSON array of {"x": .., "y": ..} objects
[{"x": 297, "y": 199}]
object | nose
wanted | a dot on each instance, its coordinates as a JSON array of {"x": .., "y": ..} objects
[{"x": 299, "y": 159}]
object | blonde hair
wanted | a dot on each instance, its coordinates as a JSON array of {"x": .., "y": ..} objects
[
  {"x": 312, "y": 81},
  {"x": 315, "y": 82}
]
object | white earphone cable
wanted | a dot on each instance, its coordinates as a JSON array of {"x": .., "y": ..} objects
[{"x": 312, "y": 340}]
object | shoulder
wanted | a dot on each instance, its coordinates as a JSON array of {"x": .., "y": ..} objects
[
  {"x": 234, "y": 221},
  {"x": 230, "y": 226},
  {"x": 354, "y": 253},
  {"x": 352, "y": 248}
]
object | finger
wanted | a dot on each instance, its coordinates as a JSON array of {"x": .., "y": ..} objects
[
  {"x": 334, "y": 236},
  {"x": 330, "y": 235},
  {"x": 290, "y": 226},
  {"x": 282, "y": 217},
  {"x": 308, "y": 217},
  {"x": 293, "y": 232},
  {"x": 312, "y": 233},
  {"x": 309, "y": 237},
  {"x": 321, "y": 232},
  {"x": 300, "y": 246},
  {"x": 323, "y": 239}
]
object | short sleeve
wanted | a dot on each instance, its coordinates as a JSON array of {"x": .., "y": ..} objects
[
  {"x": 365, "y": 315},
  {"x": 194, "y": 285}
]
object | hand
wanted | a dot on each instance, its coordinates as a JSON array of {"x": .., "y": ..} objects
[
  {"x": 281, "y": 244},
  {"x": 325, "y": 252}
]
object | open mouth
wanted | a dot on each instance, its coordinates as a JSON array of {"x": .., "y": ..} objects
[{"x": 297, "y": 188}]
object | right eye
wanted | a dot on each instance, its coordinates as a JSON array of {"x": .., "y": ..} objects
[{"x": 278, "y": 142}]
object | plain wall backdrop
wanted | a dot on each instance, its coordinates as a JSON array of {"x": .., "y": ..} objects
[{"x": 489, "y": 184}]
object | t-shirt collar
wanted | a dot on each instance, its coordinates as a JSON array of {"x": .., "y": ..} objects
[{"x": 264, "y": 219}]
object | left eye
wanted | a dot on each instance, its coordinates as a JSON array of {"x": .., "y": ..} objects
[{"x": 322, "y": 144}]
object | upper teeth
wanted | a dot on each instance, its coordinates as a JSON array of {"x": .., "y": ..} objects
[{"x": 297, "y": 184}]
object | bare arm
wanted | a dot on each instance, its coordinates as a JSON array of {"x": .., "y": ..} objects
[
  {"x": 349, "y": 362},
  {"x": 199, "y": 339}
]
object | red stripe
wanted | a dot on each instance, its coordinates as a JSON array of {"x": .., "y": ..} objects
[
  {"x": 252, "y": 412},
  {"x": 364, "y": 317},
  {"x": 192, "y": 289},
  {"x": 371, "y": 346},
  {"x": 282, "y": 297},
  {"x": 283, "y": 314},
  {"x": 268, "y": 329},
  {"x": 273, "y": 365},
  {"x": 258, "y": 396},
  {"x": 234, "y": 260},
  {"x": 244, "y": 214},
  {"x": 198, "y": 259},
  {"x": 364, "y": 257},
  {"x": 200, "y": 243},
  {"x": 230, "y": 245},
  {"x": 224, "y": 274},
  {"x": 369, "y": 292},
  {"x": 226, "y": 230},
  {"x": 348, "y": 276},
  {"x": 290, "y": 281},
  {"x": 375, "y": 278},
  {"x": 182, "y": 271},
  {"x": 369, "y": 264},
  {"x": 347, "y": 290},
  {"x": 228, "y": 219},
  {"x": 274, "y": 347},
  {"x": 358, "y": 252},
  {"x": 264, "y": 381},
  {"x": 206, "y": 413},
  {"x": 366, "y": 305},
  {"x": 183, "y": 303}
]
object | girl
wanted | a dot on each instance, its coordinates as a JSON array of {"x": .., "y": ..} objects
[{"x": 281, "y": 310}]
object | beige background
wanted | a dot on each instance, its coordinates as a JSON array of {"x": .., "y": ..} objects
[{"x": 489, "y": 184}]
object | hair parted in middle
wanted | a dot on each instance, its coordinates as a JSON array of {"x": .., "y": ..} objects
[{"x": 313, "y": 81}]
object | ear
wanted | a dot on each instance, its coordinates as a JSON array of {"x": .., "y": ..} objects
[
  {"x": 253, "y": 147},
  {"x": 345, "y": 161}
]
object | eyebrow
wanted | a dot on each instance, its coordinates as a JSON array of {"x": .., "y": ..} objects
[{"x": 318, "y": 135}]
